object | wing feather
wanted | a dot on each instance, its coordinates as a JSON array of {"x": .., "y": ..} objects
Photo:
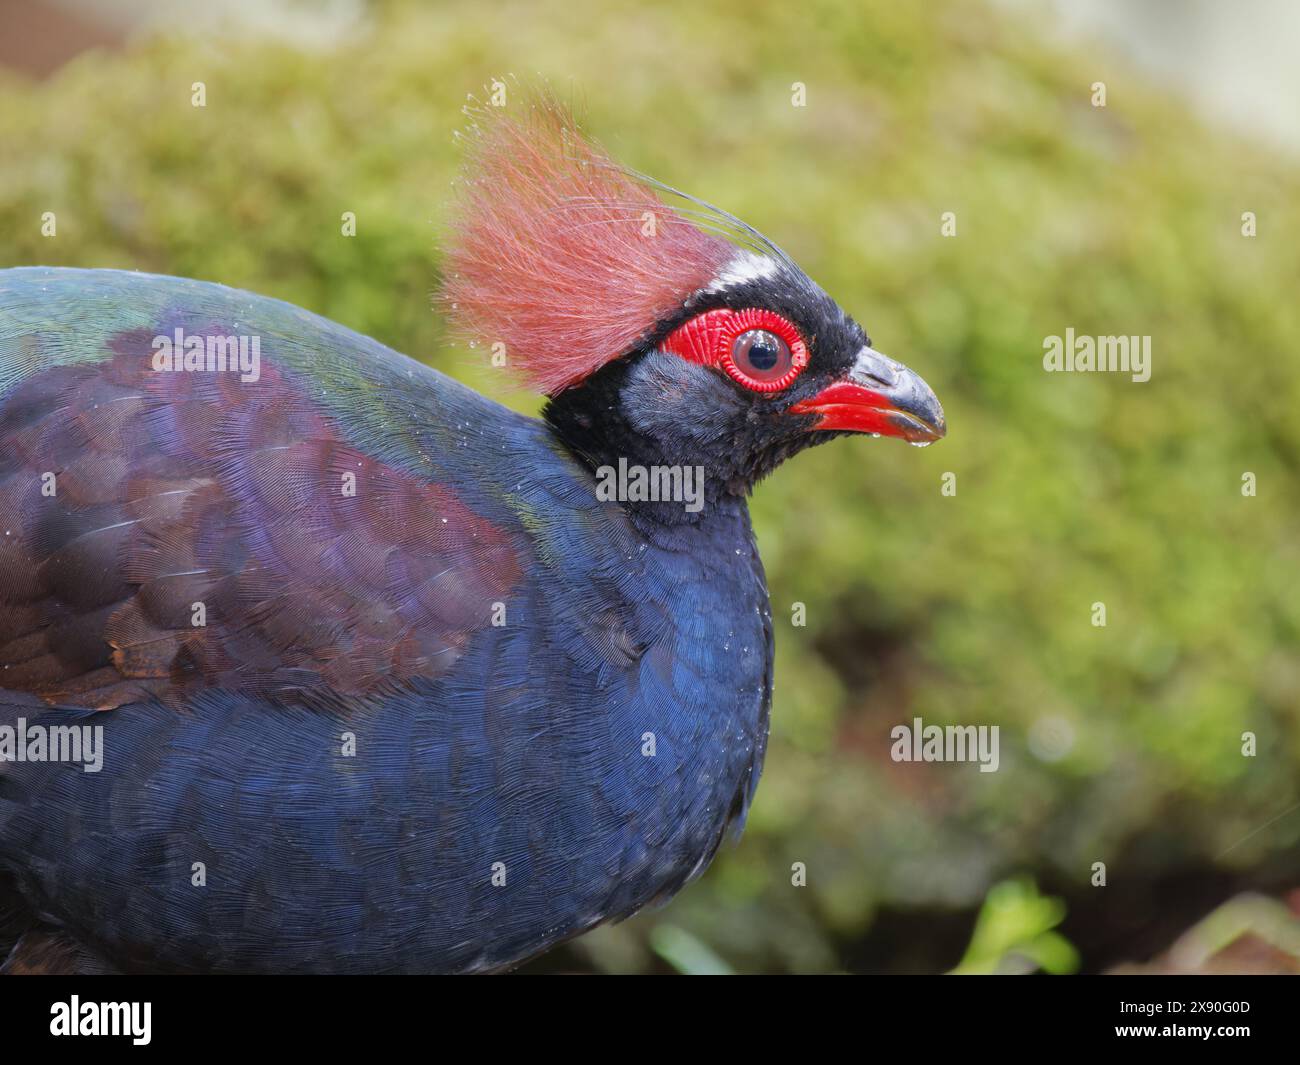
[{"x": 169, "y": 531}]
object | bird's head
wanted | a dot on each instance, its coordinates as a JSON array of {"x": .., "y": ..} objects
[{"x": 674, "y": 336}]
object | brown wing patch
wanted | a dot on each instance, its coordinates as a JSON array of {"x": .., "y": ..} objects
[{"x": 167, "y": 531}]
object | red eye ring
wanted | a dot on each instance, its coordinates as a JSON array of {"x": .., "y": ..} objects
[{"x": 709, "y": 338}]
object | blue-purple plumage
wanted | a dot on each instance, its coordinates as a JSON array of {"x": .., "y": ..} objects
[{"x": 393, "y": 746}]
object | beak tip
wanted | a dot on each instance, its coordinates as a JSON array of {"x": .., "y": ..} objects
[
  {"x": 913, "y": 409},
  {"x": 940, "y": 424},
  {"x": 918, "y": 429}
]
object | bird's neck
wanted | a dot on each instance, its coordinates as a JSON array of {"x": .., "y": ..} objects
[{"x": 660, "y": 482}]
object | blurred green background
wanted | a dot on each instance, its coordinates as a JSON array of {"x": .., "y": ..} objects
[{"x": 1120, "y": 744}]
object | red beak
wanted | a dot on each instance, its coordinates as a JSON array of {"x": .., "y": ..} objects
[{"x": 878, "y": 395}]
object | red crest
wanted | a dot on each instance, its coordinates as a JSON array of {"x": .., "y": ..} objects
[{"x": 559, "y": 253}]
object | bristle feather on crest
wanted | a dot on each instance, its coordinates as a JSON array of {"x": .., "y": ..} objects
[{"x": 550, "y": 254}]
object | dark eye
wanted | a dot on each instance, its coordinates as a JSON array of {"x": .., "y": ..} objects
[
  {"x": 761, "y": 355},
  {"x": 755, "y": 347}
]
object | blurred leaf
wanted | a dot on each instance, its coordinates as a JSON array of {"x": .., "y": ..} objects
[
  {"x": 687, "y": 954},
  {"x": 1013, "y": 933}
]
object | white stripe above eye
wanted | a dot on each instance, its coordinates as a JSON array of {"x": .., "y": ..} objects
[{"x": 743, "y": 267}]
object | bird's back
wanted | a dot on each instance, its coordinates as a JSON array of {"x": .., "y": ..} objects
[{"x": 381, "y": 683}]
